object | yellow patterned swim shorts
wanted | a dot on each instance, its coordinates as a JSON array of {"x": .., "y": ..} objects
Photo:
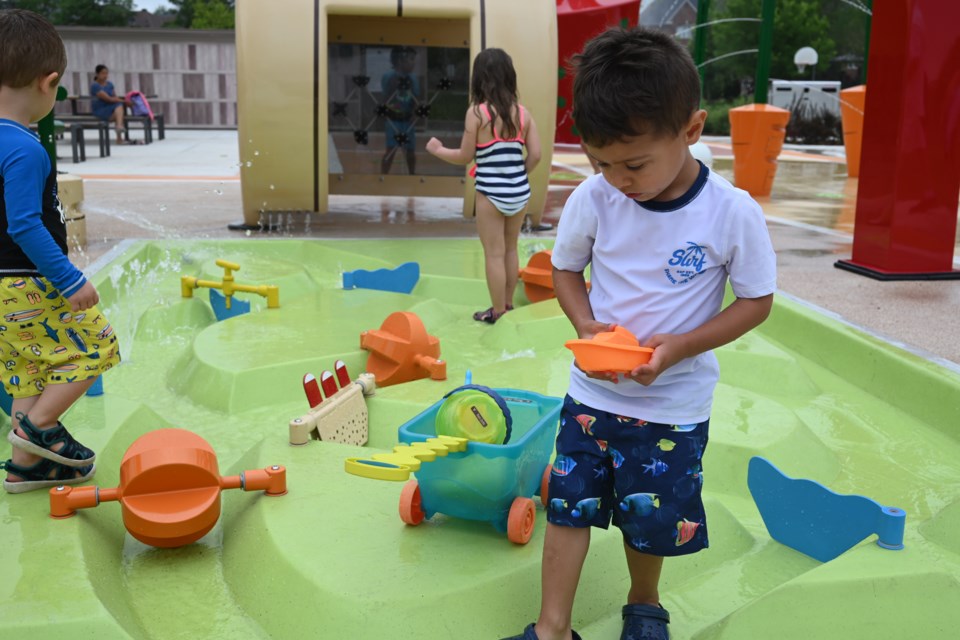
[{"x": 42, "y": 342}]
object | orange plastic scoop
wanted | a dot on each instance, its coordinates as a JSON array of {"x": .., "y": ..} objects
[{"x": 616, "y": 350}]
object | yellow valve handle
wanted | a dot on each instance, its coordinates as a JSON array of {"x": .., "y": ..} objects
[{"x": 405, "y": 459}]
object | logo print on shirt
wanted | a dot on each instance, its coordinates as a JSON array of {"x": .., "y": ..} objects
[{"x": 686, "y": 264}]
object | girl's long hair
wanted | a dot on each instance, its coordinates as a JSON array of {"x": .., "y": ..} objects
[{"x": 494, "y": 81}]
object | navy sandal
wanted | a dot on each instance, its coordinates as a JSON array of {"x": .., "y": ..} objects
[
  {"x": 39, "y": 441},
  {"x": 645, "y": 622},
  {"x": 43, "y": 474},
  {"x": 488, "y": 315},
  {"x": 530, "y": 634}
]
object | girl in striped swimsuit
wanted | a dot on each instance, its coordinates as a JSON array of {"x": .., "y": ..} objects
[{"x": 497, "y": 129}]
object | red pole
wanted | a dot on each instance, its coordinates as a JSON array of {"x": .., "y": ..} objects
[{"x": 906, "y": 217}]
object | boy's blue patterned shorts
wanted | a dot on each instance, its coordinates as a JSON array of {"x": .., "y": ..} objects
[{"x": 647, "y": 475}]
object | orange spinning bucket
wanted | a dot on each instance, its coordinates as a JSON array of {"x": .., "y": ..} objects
[{"x": 169, "y": 489}]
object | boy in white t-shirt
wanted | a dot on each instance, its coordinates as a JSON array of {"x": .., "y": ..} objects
[{"x": 663, "y": 235}]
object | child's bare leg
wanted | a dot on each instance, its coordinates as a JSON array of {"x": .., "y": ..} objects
[
  {"x": 564, "y": 550},
  {"x": 511, "y": 260},
  {"x": 644, "y": 577},
  {"x": 490, "y": 225}
]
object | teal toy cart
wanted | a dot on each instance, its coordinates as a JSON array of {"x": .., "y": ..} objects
[{"x": 487, "y": 482}]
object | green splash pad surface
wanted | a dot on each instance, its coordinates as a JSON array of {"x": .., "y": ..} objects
[{"x": 331, "y": 559}]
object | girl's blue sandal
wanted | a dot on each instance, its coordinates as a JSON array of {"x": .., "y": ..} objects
[
  {"x": 39, "y": 442},
  {"x": 530, "y": 634},
  {"x": 645, "y": 622},
  {"x": 43, "y": 474}
]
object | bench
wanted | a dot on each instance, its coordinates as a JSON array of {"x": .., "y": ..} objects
[
  {"x": 143, "y": 120},
  {"x": 89, "y": 122}
]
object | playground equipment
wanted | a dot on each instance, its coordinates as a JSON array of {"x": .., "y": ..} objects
[
  {"x": 757, "y": 132},
  {"x": 343, "y": 417},
  {"x": 338, "y": 128},
  {"x": 537, "y": 277},
  {"x": 577, "y": 22},
  {"x": 617, "y": 351},
  {"x": 229, "y": 287},
  {"x": 169, "y": 489},
  {"x": 401, "y": 351},
  {"x": 906, "y": 216},
  {"x": 806, "y": 516},
  {"x": 402, "y": 279},
  {"x": 476, "y": 413},
  {"x": 852, "y": 102},
  {"x": 473, "y": 480}
]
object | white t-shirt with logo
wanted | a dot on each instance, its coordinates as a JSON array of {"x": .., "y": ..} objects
[{"x": 662, "y": 267}]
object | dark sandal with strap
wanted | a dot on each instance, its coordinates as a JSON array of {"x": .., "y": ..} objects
[
  {"x": 489, "y": 316},
  {"x": 43, "y": 474},
  {"x": 39, "y": 441},
  {"x": 645, "y": 622},
  {"x": 530, "y": 634}
]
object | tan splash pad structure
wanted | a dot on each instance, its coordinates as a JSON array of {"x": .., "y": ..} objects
[{"x": 318, "y": 115}]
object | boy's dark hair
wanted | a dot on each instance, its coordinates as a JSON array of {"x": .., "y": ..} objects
[
  {"x": 97, "y": 69},
  {"x": 630, "y": 82},
  {"x": 494, "y": 81},
  {"x": 29, "y": 48}
]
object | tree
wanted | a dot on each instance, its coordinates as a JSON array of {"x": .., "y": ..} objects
[
  {"x": 89, "y": 13},
  {"x": 797, "y": 23},
  {"x": 213, "y": 14},
  {"x": 204, "y": 14}
]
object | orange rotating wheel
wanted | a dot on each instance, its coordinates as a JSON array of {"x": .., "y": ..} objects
[
  {"x": 411, "y": 511},
  {"x": 545, "y": 486},
  {"x": 521, "y": 520},
  {"x": 401, "y": 351},
  {"x": 169, "y": 489}
]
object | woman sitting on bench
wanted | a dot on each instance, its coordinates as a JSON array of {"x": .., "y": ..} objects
[{"x": 105, "y": 104}]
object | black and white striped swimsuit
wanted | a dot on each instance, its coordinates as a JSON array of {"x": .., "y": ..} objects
[{"x": 501, "y": 173}]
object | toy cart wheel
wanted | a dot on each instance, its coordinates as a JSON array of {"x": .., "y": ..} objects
[
  {"x": 520, "y": 522},
  {"x": 545, "y": 486},
  {"x": 411, "y": 510}
]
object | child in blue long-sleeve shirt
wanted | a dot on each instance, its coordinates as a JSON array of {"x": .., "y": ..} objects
[{"x": 54, "y": 343}]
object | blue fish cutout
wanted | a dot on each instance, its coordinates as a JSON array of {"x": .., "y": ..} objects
[
  {"x": 219, "y": 303},
  {"x": 53, "y": 334},
  {"x": 96, "y": 389},
  {"x": 806, "y": 516},
  {"x": 400, "y": 280}
]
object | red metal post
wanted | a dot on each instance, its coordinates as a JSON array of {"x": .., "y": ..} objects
[{"x": 906, "y": 217}]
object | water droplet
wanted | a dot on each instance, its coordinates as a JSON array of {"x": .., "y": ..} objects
[
  {"x": 256, "y": 153},
  {"x": 249, "y": 164},
  {"x": 163, "y": 207},
  {"x": 272, "y": 187},
  {"x": 219, "y": 192},
  {"x": 248, "y": 232}
]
